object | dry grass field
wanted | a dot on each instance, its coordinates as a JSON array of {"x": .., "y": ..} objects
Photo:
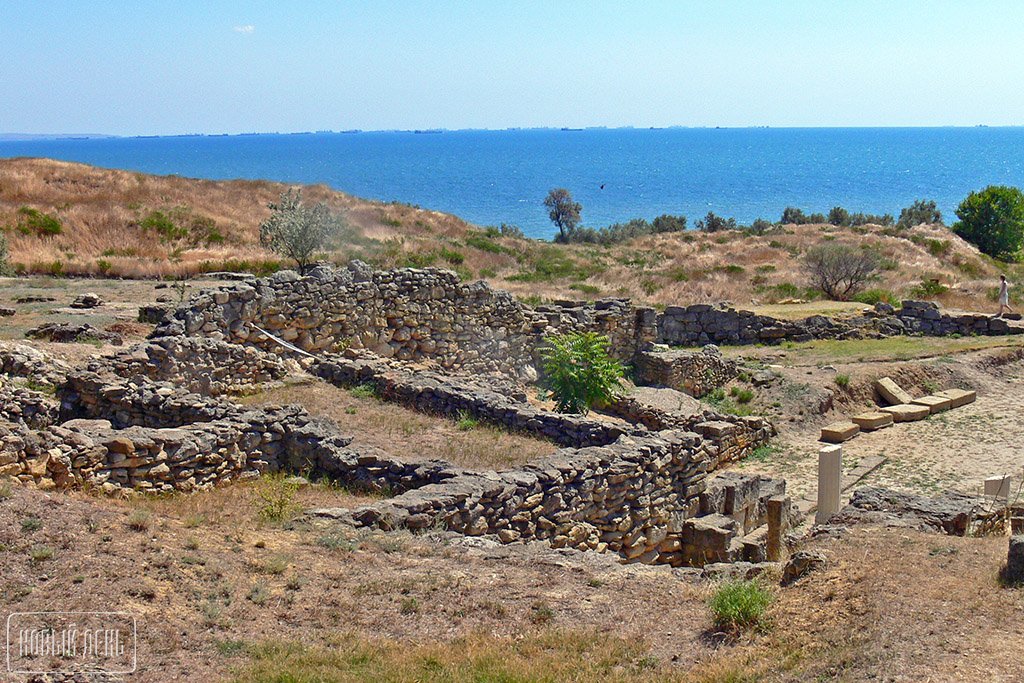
[{"x": 118, "y": 223}]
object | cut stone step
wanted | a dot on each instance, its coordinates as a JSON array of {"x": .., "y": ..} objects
[
  {"x": 959, "y": 397},
  {"x": 907, "y": 412},
  {"x": 936, "y": 404},
  {"x": 892, "y": 393},
  {"x": 838, "y": 432},
  {"x": 872, "y": 420}
]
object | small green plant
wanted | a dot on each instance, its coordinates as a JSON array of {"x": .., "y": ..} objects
[
  {"x": 41, "y": 553},
  {"x": 738, "y": 605},
  {"x": 874, "y": 296},
  {"x": 842, "y": 380},
  {"x": 763, "y": 453},
  {"x": 30, "y": 524},
  {"x": 466, "y": 422},
  {"x": 928, "y": 289},
  {"x": 363, "y": 391},
  {"x": 451, "y": 256},
  {"x": 104, "y": 266},
  {"x": 336, "y": 540},
  {"x": 410, "y": 605},
  {"x": 579, "y": 373},
  {"x": 275, "y": 498},
  {"x": 743, "y": 395}
]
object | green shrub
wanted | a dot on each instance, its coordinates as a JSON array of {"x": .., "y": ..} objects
[
  {"x": 842, "y": 380},
  {"x": 275, "y": 498},
  {"x": 743, "y": 395},
  {"x": 484, "y": 243},
  {"x": 466, "y": 422},
  {"x": 739, "y": 605},
  {"x": 874, "y": 296},
  {"x": 993, "y": 220},
  {"x": 103, "y": 266},
  {"x": 34, "y": 221},
  {"x": 452, "y": 257},
  {"x": 928, "y": 289},
  {"x": 162, "y": 225},
  {"x": 579, "y": 372},
  {"x": 713, "y": 223}
]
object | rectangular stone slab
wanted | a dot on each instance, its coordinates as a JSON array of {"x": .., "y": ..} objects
[
  {"x": 936, "y": 404},
  {"x": 870, "y": 421},
  {"x": 959, "y": 397},
  {"x": 906, "y": 412},
  {"x": 838, "y": 432},
  {"x": 892, "y": 393}
]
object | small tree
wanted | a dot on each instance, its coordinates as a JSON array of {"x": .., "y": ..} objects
[
  {"x": 563, "y": 212},
  {"x": 838, "y": 216},
  {"x": 993, "y": 220},
  {"x": 714, "y": 223},
  {"x": 921, "y": 211},
  {"x": 579, "y": 372},
  {"x": 839, "y": 270},
  {"x": 298, "y": 231}
]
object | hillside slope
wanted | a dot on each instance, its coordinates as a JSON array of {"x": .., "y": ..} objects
[{"x": 121, "y": 223}]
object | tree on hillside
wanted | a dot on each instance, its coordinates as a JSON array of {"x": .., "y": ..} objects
[
  {"x": 715, "y": 223},
  {"x": 993, "y": 220},
  {"x": 920, "y": 212},
  {"x": 298, "y": 231},
  {"x": 563, "y": 212},
  {"x": 839, "y": 270}
]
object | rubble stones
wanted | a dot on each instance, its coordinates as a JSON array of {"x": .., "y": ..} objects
[
  {"x": 950, "y": 513},
  {"x": 69, "y": 333},
  {"x": 88, "y": 300},
  {"x": 802, "y": 563}
]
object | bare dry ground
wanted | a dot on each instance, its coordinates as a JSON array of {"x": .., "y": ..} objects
[
  {"x": 222, "y": 594},
  {"x": 216, "y": 225}
]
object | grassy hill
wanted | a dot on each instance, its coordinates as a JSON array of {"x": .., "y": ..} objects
[{"x": 120, "y": 223}]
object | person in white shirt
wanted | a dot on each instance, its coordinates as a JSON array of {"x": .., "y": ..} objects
[{"x": 1004, "y": 296}]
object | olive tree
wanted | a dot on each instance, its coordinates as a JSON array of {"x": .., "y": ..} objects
[
  {"x": 563, "y": 212},
  {"x": 839, "y": 270},
  {"x": 298, "y": 231}
]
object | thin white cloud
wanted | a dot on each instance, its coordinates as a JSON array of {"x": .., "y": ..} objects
[{"x": 245, "y": 28}]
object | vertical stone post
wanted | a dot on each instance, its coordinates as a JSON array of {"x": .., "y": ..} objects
[
  {"x": 830, "y": 475},
  {"x": 778, "y": 523}
]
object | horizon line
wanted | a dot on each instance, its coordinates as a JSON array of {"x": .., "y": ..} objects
[{"x": 28, "y": 137}]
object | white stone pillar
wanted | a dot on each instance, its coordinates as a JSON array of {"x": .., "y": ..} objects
[{"x": 830, "y": 477}]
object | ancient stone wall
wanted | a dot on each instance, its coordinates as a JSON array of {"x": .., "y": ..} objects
[
  {"x": 696, "y": 373},
  {"x": 406, "y": 314},
  {"x": 199, "y": 364}
]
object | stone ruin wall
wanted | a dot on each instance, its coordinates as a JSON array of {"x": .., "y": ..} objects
[{"x": 407, "y": 314}]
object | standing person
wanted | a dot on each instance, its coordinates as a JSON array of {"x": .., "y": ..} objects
[{"x": 1004, "y": 296}]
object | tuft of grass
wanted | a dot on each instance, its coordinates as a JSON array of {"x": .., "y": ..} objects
[
  {"x": 140, "y": 520},
  {"x": 274, "y": 565},
  {"x": 842, "y": 380},
  {"x": 30, "y": 524},
  {"x": 541, "y": 613},
  {"x": 41, "y": 553},
  {"x": 740, "y": 605},
  {"x": 410, "y": 605},
  {"x": 258, "y": 594}
]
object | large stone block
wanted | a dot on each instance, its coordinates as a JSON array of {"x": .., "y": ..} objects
[
  {"x": 906, "y": 412},
  {"x": 872, "y": 420},
  {"x": 958, "y": 397},
  {"x": 838, "y": 432},
  {"x": 891, "y": 392},
  {"x": 935, "y": 403}
]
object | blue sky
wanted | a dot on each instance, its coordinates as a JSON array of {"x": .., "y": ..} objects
[{"x": 222, "y": 66}]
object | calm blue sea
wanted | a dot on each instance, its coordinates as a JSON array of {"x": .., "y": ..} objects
[{"x": 493, "y": 177}]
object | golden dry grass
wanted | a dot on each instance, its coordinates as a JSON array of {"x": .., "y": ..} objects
[{"x": 101, "y": 210}]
